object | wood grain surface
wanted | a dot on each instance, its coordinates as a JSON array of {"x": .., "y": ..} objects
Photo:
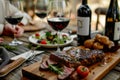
[{"x": 97, "y": 72}]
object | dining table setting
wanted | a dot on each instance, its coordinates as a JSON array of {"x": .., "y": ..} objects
[{"x": 24, "y": 60}]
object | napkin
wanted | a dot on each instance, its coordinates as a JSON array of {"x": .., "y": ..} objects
[{"x": 4, "y": 57}]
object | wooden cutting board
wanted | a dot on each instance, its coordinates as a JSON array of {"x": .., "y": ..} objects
[{"x": 97, "y": 72}]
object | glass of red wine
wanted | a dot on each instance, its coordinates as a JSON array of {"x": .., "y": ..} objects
[
  {"x": 41, "y": 8},
  {"x": 14, "y": 17},
  {"x": 58, "y": 17}
]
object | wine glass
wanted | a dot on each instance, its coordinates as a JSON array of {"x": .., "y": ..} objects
[
  {"x": 58, "y": 17},
  {"x": 41, "y": 8},
  {"x": 14, "y": 17}
]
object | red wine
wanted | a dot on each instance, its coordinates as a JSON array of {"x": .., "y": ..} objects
[
  {"x": 112, "y": 26},
  {"x": 59, "y": 23},
  {"x": 41, "y": 14},
  {"x": 13, "y": 20},
  {"x": 83, "y": 22}
]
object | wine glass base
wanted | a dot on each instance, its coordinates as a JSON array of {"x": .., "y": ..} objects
[
  {"x": 14, "y": 43},
  {"x": 58, "y": 50}
]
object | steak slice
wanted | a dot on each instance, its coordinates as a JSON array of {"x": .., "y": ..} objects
[
  {"x": 66, "y": 73},
  {"x": 76, "y": 57},
  {"x": 64, "y": 59},
  {"x": 46, "y": 62}
]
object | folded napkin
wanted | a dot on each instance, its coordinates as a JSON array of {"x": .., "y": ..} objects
[{"x": 4, "y": 57}]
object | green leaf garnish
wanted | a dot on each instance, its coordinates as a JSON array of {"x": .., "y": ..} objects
[
  {"x": 55, "y": 69},
  {"x": 48, "y": 34}
]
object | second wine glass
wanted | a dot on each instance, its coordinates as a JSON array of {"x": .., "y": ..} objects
[
  {"x": 41, "y": 8},
  {"x": 58, "y": 17}
]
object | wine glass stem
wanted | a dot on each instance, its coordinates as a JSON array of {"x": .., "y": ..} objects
[
  {"x": 58, "y": 41},
  {"x": 41, "y": 20},
  {"x": 15, "y": 39}
]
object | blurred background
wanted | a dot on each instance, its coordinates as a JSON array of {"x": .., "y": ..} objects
[{"x": 98, "y": 7}]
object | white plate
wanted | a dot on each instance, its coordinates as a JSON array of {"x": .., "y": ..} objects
[{"x": 33, "y": 40}]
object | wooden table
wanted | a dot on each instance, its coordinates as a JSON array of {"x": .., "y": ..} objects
[{"x": 16, "y": 74}]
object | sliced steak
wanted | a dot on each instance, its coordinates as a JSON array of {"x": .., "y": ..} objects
[
  {"x": 49, "y": 61},
  {"x": 66, "y": 73},
  {"x": 45, "y": 63}
]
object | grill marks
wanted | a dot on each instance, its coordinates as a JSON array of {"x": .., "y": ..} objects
[{"x": 75, "y": 57}]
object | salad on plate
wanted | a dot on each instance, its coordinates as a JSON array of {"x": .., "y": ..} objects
[{"x": 50, "y": 39}]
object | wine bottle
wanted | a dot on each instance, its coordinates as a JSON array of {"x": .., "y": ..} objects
[
  {"x": 112, "y": 26},
  {"x": 83, "y": 23}
]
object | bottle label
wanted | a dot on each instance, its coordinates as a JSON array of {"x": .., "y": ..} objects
[
  {"x": 117, "y": 31},
  {"x": 83, "y": 25}
]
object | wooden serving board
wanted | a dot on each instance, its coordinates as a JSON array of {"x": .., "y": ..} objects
[{"x": 97, "y": 72}]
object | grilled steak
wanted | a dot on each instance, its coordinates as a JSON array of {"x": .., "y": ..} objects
[
  {"x": 63, "y": 58},
  {"x": 76, "y": 57},
  {"x": 65, "y": 71}
]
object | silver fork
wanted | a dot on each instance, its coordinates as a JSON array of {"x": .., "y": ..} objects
[{"x": 33, "y": 52}]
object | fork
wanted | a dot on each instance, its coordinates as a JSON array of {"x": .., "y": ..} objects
[{"x": 33, "y": 52}]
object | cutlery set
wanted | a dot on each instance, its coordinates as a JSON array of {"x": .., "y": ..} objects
[{"x": 16, "y": 61}]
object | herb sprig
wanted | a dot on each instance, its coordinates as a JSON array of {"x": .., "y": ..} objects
[
  {"x": 55, "y": 69},
  {"x": 8, "y": 47}
]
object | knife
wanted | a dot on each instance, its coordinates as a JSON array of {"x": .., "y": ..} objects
[{"x": 17, "y": 61}]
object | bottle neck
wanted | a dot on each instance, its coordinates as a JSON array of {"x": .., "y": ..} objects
[
  {"x": 84, "y": 2},
  {"x": 113, "y": 3}
]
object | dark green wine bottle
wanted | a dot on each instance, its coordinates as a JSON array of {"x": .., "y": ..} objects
[
  {"x": 112, "y": 26},
  {"x": 83, "y": 23}
]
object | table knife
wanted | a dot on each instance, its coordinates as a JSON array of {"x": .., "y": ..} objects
[{"x": 17, "y": 61}]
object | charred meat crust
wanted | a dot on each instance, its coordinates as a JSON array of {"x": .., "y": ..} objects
[{"x": 77, "y": 57}]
